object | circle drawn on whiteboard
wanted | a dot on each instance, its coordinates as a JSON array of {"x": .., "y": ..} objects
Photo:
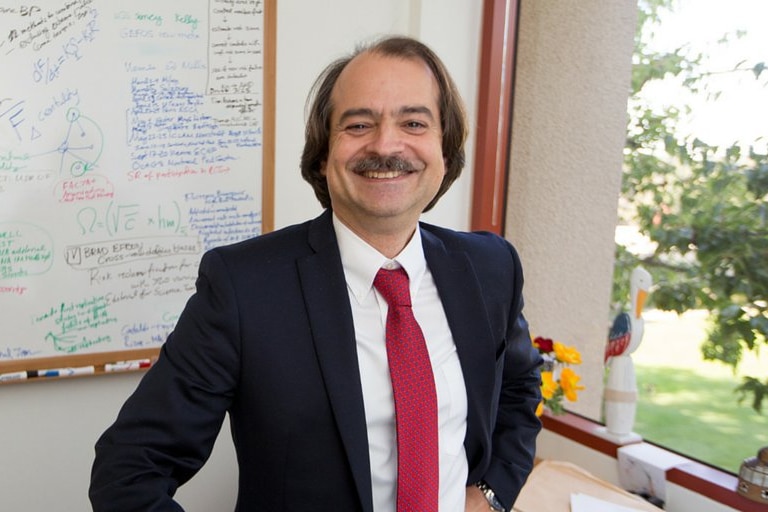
[{"x": 82, "y": 146}]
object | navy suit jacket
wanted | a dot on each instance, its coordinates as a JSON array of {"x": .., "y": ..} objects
[{"x": 268, "y": 337}]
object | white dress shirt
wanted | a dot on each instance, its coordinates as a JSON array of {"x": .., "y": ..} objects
[{"x": 361, "y": 262}]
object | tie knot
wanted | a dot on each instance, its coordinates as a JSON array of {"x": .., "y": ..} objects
[{"x": 393, "y": 285}]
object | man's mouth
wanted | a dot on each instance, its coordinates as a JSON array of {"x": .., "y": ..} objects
[
  {"x": 383, "y": 175},
  {"x": 383, "y": 168}
]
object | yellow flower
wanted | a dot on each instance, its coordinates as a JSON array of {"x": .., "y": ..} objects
[
  {"x": 548, "y": 385},
  {"x": 569, "y": 381},
  {"x": 567, "y": 354},
  {"x": 558, "y": 381}
]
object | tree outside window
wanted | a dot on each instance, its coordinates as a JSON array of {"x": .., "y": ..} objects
[{"x": 695, "y": 189}]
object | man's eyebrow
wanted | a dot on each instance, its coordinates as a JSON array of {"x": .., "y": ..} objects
[
  {"x": 416, "y": 109},
  {"x": 356, "y": 112},
  {"x": 367, "y": 112}
]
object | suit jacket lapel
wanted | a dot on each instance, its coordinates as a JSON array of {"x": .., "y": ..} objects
[
  {"x": 465, "y": 308},
  {"x": 330, "y": 316}
]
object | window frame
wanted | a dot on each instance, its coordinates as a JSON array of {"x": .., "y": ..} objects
[{"x": 494, "y": 114}]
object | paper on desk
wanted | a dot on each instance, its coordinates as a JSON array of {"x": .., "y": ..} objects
[{"x": 586, "y": 503}]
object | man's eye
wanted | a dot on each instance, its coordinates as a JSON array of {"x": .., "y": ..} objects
[
  {"x": 356, "y": 127},
  {"x": 415, "y": 125}
]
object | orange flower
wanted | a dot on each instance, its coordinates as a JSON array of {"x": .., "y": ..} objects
[
  {"x": 569, "y": 381},
  {"x": 548, "y": 385},
  {"x": 540, "y": 408},
  {"x": 566, "y": 354}
]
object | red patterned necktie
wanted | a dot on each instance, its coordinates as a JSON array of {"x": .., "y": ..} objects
[{"x": 413, "y": 386}]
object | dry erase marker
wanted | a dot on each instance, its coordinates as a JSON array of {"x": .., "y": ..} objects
[
  {"x": 7, "y": 377},
  {"x": 127, "y": 365},
  {"x": 63, "y": 372}
]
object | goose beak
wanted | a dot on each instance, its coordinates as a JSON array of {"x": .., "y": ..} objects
[{"x": 642, "y": 295}]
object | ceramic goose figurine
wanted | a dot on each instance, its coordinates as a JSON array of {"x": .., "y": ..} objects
[
  {"x": 624, "y": 338},
  {"x": 627, "y": 331}
]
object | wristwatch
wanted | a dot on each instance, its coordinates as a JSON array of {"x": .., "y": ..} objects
[{"x": 493, "y": 501}]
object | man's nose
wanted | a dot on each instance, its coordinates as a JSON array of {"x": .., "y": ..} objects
[{"x": 387, "y": 139}]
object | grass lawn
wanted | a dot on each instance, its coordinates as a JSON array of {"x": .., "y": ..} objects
[{"x": 688, "y": 405}]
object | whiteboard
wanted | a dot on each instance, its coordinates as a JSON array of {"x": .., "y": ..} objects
[{"x": 131, "y": 141}]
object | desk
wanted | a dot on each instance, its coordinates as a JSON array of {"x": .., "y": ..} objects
[{"x": 551, "y": 483}]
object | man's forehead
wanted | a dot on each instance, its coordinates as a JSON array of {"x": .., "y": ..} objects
[{"x": 355, "y": 93}]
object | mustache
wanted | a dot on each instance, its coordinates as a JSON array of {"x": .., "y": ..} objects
[{"x": 384, "y": 163}]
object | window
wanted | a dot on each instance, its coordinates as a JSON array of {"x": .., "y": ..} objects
[{"x": 693, "y": 212}]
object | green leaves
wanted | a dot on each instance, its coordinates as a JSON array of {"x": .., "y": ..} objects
[
  {"x": 758, "y": 390},
  {"x": 705, "y": 208}
]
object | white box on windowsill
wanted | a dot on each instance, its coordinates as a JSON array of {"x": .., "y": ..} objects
[{"x": 643, "y": 468}]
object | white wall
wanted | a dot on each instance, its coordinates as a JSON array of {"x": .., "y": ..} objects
[{"x": 48, "y": 428}]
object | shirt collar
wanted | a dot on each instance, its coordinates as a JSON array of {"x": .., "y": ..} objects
[{"x": 361, "y": 261}]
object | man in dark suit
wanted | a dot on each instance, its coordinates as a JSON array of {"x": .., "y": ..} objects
[{"x": 287, "y": 331}]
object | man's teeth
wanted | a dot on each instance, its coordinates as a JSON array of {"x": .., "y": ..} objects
[{"x": 381, "y": 175}]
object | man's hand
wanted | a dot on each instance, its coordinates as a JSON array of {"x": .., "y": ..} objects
[{"x": 475, "y": 501}]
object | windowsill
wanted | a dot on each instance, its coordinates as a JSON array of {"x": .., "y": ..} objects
[{"x": 715, "y": 484}]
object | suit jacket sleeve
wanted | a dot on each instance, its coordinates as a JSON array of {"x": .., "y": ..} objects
[
  {"x": 516, "y": 427},
  {"x": 166, "y": 429}
]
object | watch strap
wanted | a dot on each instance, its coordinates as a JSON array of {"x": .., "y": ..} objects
[{"x": 493, "y": 502}]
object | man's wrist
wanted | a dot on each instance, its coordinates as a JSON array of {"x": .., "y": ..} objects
[{"x": 490, "y": 496}]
